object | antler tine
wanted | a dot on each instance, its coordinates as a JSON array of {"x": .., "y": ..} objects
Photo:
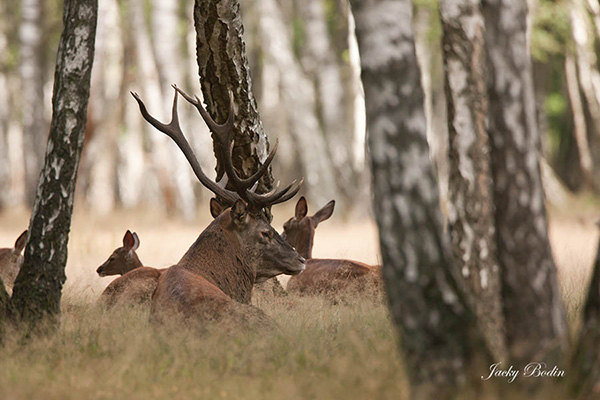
[
  {"x": 289, "y": 194},
  {"x": 173, "y": 130},
  {"x": 241, "y": 184},
  {"x": 273, "y": 197},
  {"x": 222, "y": 132}
]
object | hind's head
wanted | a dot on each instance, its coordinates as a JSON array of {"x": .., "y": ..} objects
[
  {"x": 299, "y": 230},
  {"x": 123, "y": 259}
]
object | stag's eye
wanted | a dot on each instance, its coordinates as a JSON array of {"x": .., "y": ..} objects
[{"x": 266, "y": 234}]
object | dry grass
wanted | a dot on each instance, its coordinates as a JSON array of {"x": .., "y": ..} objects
[{"x": 321, "y": 351}]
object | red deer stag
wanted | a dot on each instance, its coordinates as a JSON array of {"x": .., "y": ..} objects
[
  {"x": 11, "y": 261},
  {"x": 238, "y": 248},
  {"x": 136, "y": 283},
  {"x": 323, "y": 275}
]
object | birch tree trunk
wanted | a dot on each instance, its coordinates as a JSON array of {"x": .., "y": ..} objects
[
  {"x": 320, "y": 61},
  {"x": 167, "y": 45},
  {"x": 589, "y": 81},
  {"x": 429, "y": 55},
  {"x": 104, "y": 116},
  {"x": 471, "y": 216},
  {"x": 585, "y": 157},
  {"x": 31, "y": 66},
  {"x": 438, "y": 332},
  {"x": 223, "y": 68},
  {"x": 299, "y": 100},
  {"x": 37, "y": 290},
  {"x": 159, "y": 176},
  {"x": 535, "y": 318},
  {"x": 4, "y": 113},
  {"x": 586, "y": 360}
]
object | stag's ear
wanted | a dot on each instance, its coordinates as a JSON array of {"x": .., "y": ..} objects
[
  {"x": 239, "y": 214},
  {"x": 20, "y": 242},
  {"x": 136, "y": 241},
  {"x": 128, "y": 240},
  {"x": 324, "y": 213},
  {"x": 301, "y": 208},
  {"x": 215, "y": 208}
]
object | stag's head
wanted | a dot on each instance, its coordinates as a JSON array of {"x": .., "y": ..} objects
[
  {"x": 299, "y": 231},
  {"x": 264, "y": 248},
  {"x": 123, "y": 259}
]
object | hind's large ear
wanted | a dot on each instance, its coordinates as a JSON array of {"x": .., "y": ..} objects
[
  {"x": 136, "y": 241},
  {"x": 128, "y": 240},
  {"x": 301, "y": 208},
  {"x": 20, "y": 242},
  {"x": 324, "y": 213},
  {"x": 239, "y": 214},
  {"x": 215, "y": 208}
]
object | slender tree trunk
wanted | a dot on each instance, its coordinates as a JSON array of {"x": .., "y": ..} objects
[
  {"x": 34, "y": 126},
  {"x": 4, "y": 113},
  {"x": 223, "y": 69},
  {"x": 167, "y": 52},
  {"x": 130, "y": 156},
  {"x": 429, "y": 55},
  {"x": 150, "y": 87},
  {"x": 535, "y": 318},
  {"x": 586, "y": 360},
  {"x": 471, "y": 217},
  {"x": 320, "y": 61},
  {"x": 104, "y": 116},
  {"x": 37, "y": 290},
  {"x": 298, "y": 97},
  {"x": 583, "y": 146},
  {"x": 438, "y": 332}
]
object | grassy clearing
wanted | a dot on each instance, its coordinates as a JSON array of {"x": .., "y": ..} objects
[{"x": 321, "y": 351}]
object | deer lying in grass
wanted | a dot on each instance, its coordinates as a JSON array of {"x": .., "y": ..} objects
[
  {"x": 214, "y": 278},
  {"x": 11, "y": 261},
  {"x": 323, "y": 275},
  {"x": 136, "y": 283}
]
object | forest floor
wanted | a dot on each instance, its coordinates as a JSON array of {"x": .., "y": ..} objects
[{"x": 323, "y": 350}]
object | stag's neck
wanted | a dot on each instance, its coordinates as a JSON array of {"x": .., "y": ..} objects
[{"x": 218, "y": 256}]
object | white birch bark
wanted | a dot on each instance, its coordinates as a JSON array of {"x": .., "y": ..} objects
[
  {"x": 589, "y": 76},
  {"x": 438, "y": 334},
  {"x": 4, "y": 115},
  {"x": 105, "y": 105},
  {"x": 535, "y": 320},
  {"x": 585, "y": 157},
  {"x": 167, "y": 45},
  {"x": 34, "y": 126},
  {"x": 321, "y": 64},
  {"x": 149, "y": 84},
  {"x": 298, "y": 97}
]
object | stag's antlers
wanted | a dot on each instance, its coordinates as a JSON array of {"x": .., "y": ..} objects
[{"x": 244, "y": 187}]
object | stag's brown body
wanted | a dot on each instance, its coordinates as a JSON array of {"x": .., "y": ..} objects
[
  {"x": 11, "y": 261},
  {"x": 324, "y": 276}
]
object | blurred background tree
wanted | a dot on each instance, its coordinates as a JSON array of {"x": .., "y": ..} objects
[{"x": 305, "y": 65}]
